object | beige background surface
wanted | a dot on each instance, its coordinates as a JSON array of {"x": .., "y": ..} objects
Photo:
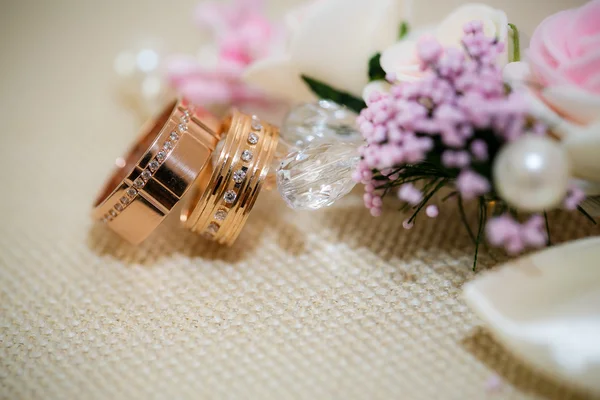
[{"x": 333, "y": 304}]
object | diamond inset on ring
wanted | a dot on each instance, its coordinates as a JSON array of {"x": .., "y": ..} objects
[
  {"x": 131, "y": 192},
  {"x": 256, "y": 125},
  {"x": 212, "y": 228},
  {"x": 112, "y": 213},
  {"x": 229, "y": 196},
  {"x": 125, "y": 200},
  {"x": 168, "y": 145},
  {"x": 246, "y": 155},
  {"x": 153, "y": 165},
  {"x": 220, "y": 215},
  {"x": 146, "y": 174},
  {"x": 181, "y": 128},
  {"x": 119, "y": 207},
  {"x": 174, "y": 136},
  {"x": 138, "y": 183},
  {"x": 252, "y": 138},
  {"x": 160, "y": 156},
  {"x": 239, "y": 176}
]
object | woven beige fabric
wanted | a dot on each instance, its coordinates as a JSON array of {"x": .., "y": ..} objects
[{"x": 325, "y": 305}]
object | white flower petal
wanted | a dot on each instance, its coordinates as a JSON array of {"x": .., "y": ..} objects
[
  {"x": 401, "y": 60},
  {"x": 379, "y": 86},
  {"x": 450, "y": 30},
  {"x": 495, "y": 24},
  {"x": 574, "y": 103},
  {"x": 278, "y": 77},
  {"x": 545, "y": 308},
  {"x": 583, "y": 148},
  {"x": 338, "y": 37}
]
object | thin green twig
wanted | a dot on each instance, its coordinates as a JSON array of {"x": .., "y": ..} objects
[
  {"x": 463, "y": 216},
  {"x": 516, "y": 43},
  {"x": 585, "y": 213},
  {"x": 482, "y": 218},
  {"x": 426, "y": 199}
]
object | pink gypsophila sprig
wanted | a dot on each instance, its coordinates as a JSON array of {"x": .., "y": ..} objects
[{"x": 453, "y": 121}]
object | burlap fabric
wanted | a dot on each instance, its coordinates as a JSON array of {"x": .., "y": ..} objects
[{"x": 325, "y": 305}]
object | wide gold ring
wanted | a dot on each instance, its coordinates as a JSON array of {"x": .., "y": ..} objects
[
  {"x": 219, "y": 209},
  {"x": 162, "y": 165}
]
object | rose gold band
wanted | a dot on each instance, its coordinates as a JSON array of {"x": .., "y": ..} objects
[
  {"x": 162, "y": 165},
  {"x": 220, "y": 208}
]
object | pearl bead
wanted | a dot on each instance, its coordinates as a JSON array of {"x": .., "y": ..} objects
[{"x": 531, "y": 174}]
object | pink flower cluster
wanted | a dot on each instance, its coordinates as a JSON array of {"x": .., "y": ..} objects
[
  {"x": 463, "y": 92},
  {"x": 242, "y": 35},
  {"x": 455, "y": 119},
  {"x": 507, "y": 232}
]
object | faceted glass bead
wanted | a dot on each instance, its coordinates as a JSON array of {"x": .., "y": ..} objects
[
  {"x": 317, "y": 175},
  {"x": 324, "y": 121}
]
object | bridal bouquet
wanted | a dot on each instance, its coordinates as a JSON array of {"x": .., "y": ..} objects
[{"x": 465, "y": 106}]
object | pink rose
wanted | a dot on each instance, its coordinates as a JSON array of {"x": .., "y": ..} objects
[{"x": 564, "y": 56}]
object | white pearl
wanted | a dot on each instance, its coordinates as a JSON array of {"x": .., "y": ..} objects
[{"x": 531, "y": 174}]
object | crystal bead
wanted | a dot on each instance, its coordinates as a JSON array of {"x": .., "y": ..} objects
[
  {"x": 324, "y": 120},
  {"x": 318, "y": 175}
]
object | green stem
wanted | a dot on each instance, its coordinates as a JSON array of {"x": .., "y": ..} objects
[
  {"x": 426, "y": 199},
  {"x": 482, "y": 218},
  {"x": 463, "y": 216},
  {"x": 588, "y": 216},
  {"x": 516, "y": 43}
]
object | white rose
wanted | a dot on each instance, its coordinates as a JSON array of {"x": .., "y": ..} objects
[
  {"x": 331, "y": 41},
  {"x": 401, "y": 58}
]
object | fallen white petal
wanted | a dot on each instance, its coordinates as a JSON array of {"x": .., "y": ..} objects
[{"x": 545, "y": 308}]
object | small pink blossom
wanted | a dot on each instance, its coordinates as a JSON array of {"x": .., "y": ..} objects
[
  {"x": 505, "y": 231},
  {"x": 575, "y": 196},
  {"x": 471, "y": 185},
  {"x": 432, "y": 211},
  {"x": 410, "y": 194}
]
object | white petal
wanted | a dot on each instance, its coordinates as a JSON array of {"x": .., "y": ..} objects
[
  {"x": 401, "y": 60},
  {"x": 517, "y": 75},
  {"x": 375, "y": 87},
  {"x": 338, "y": 37},
  {"x": 278, "y": 77},
  {"x": 583, "y": 148},
  {"x": 450, "y": 30},
  {"x": 546, "y": 309},
  {"x": 574, "y": 103}
]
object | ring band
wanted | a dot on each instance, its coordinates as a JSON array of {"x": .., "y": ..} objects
[
  {"x": 162, "y": 165},
  {"x": 220, "y": 209}
]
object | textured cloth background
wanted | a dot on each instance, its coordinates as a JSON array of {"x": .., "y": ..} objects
[{"x": 325, "y": 305}]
